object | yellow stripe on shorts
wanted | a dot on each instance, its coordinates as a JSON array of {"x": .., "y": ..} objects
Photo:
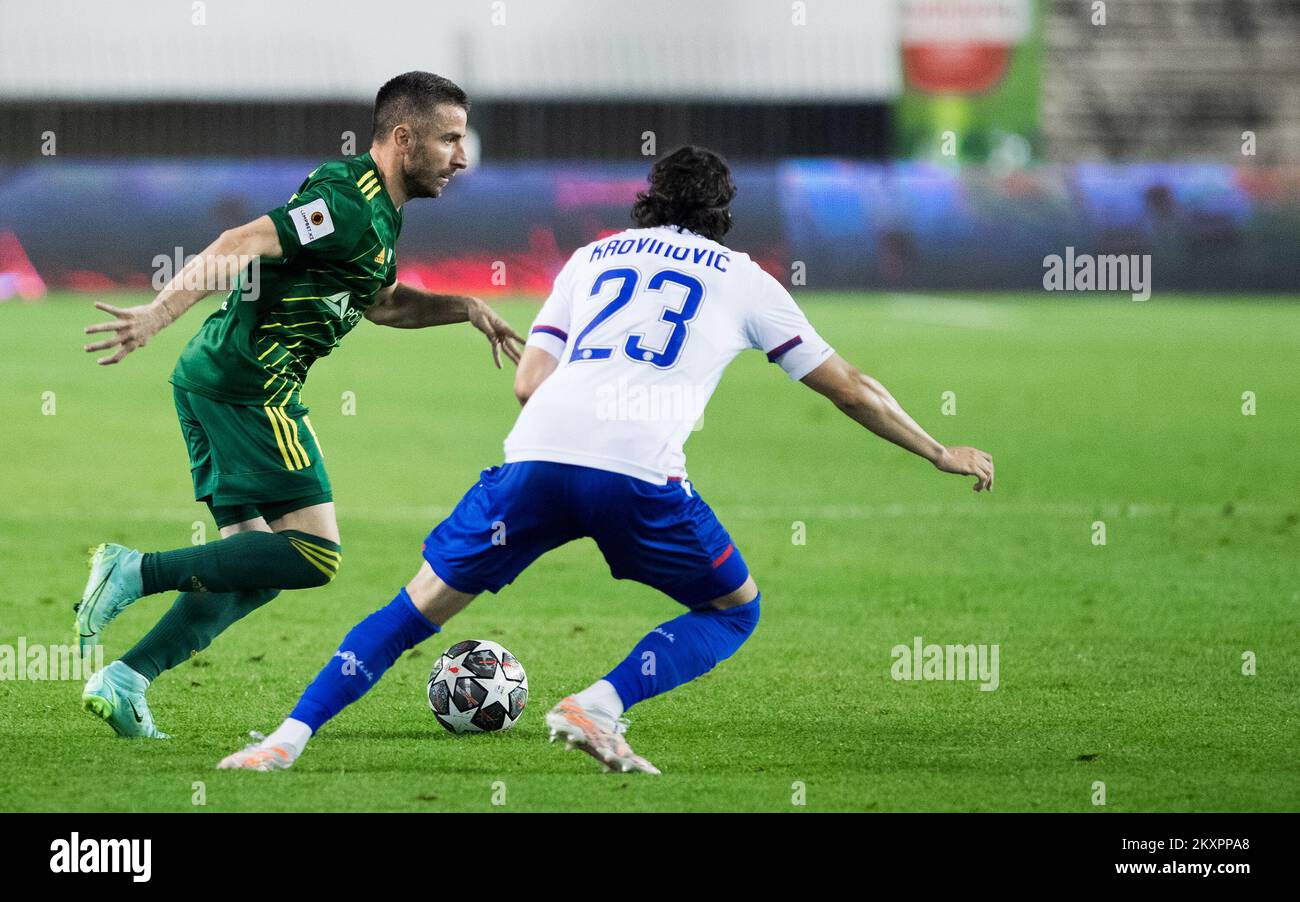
[
  {"x": 306, "y": 421},
  {"x": 289, "y": 463},
  {"x": 291, "y": 437}
]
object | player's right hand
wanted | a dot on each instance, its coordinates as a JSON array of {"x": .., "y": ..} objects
[
  {"x": 132, "y": 329},
  {"x": 968, "y": 462},
  {"x": 497, "y": 330}
]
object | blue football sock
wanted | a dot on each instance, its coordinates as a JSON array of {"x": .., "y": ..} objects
[
  {"x": 363, "y": 656},
  {"x": 682, "y": 649}
]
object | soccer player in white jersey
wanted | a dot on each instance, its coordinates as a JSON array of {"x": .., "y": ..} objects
[{"x": 619, "y": 365}]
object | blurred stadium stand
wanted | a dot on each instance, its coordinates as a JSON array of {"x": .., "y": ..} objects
[
  {"x": 550, "y": 79},
  {"x": 506, "y": 129},
  {"x": 168, "y": 131},
  {"x": 1172, "y": 80}
]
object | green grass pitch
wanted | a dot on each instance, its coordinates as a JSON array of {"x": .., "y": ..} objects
[{"x": 1120, "y": 663}]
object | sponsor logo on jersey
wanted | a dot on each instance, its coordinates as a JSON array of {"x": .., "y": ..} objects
[{"x": 338, "y": 303}]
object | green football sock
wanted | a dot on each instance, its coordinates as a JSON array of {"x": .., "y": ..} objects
[
  {"x": 189, "y": 627},
  {"x": 242, "y": 562}
]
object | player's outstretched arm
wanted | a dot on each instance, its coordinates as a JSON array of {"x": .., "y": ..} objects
[
  {"x": 868, "y": 402},
  {"x": 404, "y": 307},
  {"x": 132, "y": 327}
]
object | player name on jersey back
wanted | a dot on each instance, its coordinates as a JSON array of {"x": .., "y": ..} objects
[
  {"x": 657, "y": 247},
  {"x": 643, "y": 324}
]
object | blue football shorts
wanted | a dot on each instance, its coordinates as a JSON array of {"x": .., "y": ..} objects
[{"x": 664, "y": 536}]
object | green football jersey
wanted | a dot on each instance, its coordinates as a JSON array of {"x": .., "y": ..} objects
[{"x": 338, "y": 234}]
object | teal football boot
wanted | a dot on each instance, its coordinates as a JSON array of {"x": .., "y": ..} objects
[
  {"x": 114, "y": 583},
  {"x": 116, "y": 696}
]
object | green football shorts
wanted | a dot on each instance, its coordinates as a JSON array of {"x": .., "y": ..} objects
[{"x": 249, "y": 461}]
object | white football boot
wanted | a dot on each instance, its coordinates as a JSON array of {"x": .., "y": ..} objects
[
  {"x": 259, "y": 756},
  {"x": 597, "y": 734}
]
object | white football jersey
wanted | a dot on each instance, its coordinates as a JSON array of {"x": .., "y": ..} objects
[{"x": 643, "y": 323}]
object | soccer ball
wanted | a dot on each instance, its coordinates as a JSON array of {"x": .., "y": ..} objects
[{"x": 477, "y": 687}]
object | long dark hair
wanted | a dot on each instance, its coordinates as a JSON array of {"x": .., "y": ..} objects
[{"x": 690, "y": 188}]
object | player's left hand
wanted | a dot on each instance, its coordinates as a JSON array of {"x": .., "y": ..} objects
[
  {"x": 133, "y": 327},
  {"x": 498, "y": 331}
]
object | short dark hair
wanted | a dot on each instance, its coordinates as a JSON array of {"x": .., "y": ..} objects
[
  {"x": 411, "y": 96},
  {"x": 690, "y": 188}
]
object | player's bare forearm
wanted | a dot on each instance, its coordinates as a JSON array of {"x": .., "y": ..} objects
[
  {"x": 403, "y": 307},
  {"x": 232, "y": 249},
  {"x": 133, "y": 327},
  {"x": 869, "y": 403}
]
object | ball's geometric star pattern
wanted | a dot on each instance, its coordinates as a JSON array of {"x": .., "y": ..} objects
[
  {"x": 439, "y": 697},
  {"x": 482, "y": 663},
  {"x": 489, "y": 718},
  {"x": 518, "y": 698},
  {"x": 477, "y": 686},
  {"x": 468, "y": 694}
]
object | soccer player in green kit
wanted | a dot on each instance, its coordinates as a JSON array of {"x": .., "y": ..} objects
[{"x": 324, "y": 260}]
